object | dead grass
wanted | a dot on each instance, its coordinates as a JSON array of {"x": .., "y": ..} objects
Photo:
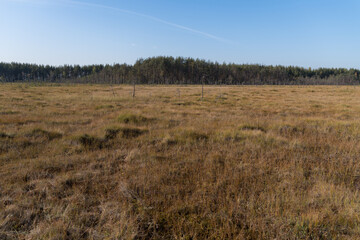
[{"x": 269, "y": 162}]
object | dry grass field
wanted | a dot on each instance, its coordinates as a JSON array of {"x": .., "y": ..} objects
[{"x": 247, "y": 162}]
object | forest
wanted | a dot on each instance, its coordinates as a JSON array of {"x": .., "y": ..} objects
[{"x": 170, "y": 70}]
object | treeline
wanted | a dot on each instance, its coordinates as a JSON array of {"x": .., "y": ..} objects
[{"x": 169, "y": 70}]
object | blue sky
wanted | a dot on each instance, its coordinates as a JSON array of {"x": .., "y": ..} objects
[{"x": 308, "y": 33}]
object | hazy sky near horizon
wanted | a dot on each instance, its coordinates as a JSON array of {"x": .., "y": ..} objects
[{"x": 308, "y": 33}]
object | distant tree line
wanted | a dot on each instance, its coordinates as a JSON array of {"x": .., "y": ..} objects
[{"x": 169, "y": 70}]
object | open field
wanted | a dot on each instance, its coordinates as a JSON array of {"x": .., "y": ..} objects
[{"x": 248, "y": 162}]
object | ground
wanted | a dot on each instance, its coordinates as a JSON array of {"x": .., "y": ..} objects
[{"x": 244, "y": 162}]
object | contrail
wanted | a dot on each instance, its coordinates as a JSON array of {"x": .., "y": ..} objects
[
  {"x": 87, "y": 4},
  {"x": 208, "y": 35}
]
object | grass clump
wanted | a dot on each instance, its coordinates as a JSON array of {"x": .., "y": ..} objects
[
  {"x": 252, "y": 128},
  {"x": 185, "y": 103},
  {"x": 124, "y": 132},
  {"x": 9, "y": 112},
  {"x": 288, "y": 130},
  {"x": 91, "y": 142},
  {"x": 132, "y": 118},
  {"x": 229, "y": 136},
  {"x": 108, "y": 106},
  {"x": 5, "y": 135},
  {"x": 131, "y": 132},
  {"x": 191, "y": 136},
  {"x": 40, "y": 133},
  {"x": 196, "y": 136},
  {"x": 94, "y": 143}
]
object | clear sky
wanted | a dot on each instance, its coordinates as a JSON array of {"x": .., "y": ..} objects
[{"x": 308, "y": 33}]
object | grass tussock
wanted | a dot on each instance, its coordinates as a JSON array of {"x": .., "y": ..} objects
[
  {"x": 123, "y": 132},
  {"x": 191, "y": 136},
  {"x": 91, "y": 142},
  {"x": 269, "y": 162},
  {"x": 40, "y": 133},
  {"x": 129, "y": 118},
  {"x": 5, "y": 135},
  {"x": 111, "y": 135},
  {"x": 107, "y": 106},
  {"x": 250, "y": 127}
]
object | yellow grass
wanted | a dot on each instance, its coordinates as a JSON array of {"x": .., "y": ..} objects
[{"x": 248, "y": 162}]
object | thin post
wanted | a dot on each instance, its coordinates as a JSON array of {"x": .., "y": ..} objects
[
  {"x": 112, "y": 90},
  {"x": 133, "y": 93},
  {"x": 202, "y": 89}
]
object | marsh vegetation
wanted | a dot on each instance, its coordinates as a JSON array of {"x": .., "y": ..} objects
[{"x": 92, "y": 162}]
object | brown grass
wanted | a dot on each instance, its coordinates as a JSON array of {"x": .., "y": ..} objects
[{"x": 269, "y": 162}]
